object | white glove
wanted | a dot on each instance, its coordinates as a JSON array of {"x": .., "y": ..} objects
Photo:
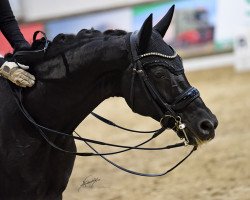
[{"x": 16, "y": 74}]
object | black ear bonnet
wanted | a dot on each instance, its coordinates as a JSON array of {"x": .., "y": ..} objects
[{"x": 157, "y": 44}]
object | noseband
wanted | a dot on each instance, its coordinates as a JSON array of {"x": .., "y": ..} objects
[{"x": 169, "y": 117}]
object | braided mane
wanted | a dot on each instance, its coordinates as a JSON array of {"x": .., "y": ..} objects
[{"x": 63, "y": 42}]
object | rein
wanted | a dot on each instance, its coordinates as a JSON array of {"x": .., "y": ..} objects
[
  {"x": 169, "y": 118},
  {"x": 17, "y": 93}
]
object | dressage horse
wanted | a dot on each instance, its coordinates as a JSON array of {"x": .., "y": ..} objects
[{"x": 75, "y": 75}]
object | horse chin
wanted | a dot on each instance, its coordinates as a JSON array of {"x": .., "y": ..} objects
[{"x": 193, "y": 138}]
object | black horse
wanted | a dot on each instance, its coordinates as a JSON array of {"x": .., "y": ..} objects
[{"x": 77, "y": 73}]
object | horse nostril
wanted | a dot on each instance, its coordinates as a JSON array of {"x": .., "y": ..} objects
[
  {"x": 207, "y": 125},
  {"x": 207, "y": 128}
]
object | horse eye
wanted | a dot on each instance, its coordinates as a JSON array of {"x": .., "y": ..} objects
[{"x": 160, "y": 73}]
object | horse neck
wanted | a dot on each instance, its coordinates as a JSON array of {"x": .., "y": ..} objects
[{"x": 64, "y": 104}]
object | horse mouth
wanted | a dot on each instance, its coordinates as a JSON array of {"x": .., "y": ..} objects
[{"x": 193, "y": 138}]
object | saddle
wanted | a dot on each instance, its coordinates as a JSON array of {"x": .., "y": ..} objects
[{"x": 36, "y": 54}]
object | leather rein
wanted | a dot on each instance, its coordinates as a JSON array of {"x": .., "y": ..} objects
[{"x": 169, "y": 118}]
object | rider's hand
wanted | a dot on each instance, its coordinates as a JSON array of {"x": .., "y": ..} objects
[{"x": 15, "y": 73}]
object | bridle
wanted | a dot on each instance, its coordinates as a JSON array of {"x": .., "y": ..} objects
[{"x": 169, "y": 118}]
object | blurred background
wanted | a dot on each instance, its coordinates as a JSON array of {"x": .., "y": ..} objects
[
  {"x": 213, "y": 37},
  {"x": 199, "y": 28}
]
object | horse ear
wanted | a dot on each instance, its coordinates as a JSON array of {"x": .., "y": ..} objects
[
  {"x": 145, "y": 33},
  {"x": 163, "y": 25}
]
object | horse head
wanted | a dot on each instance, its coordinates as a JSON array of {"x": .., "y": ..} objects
[{"x": 155, "y": 84}]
